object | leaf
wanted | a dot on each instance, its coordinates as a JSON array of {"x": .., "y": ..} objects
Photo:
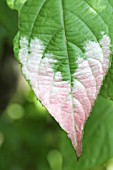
[
  {"x": 107, "y": 89},
  {"x": 105, "y": 10},
  {"x": 7, "y": 19},
  {"x": 16, "y": 4},
  {"x": 2, "y": 40},
  {"x": 97, "y": 141},
  {"x": 64, "y": 49}
]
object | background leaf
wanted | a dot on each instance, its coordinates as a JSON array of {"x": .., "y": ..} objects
[
  {"x": 8, "y": 71},
  {"x": 16, "y": 4},
  {"x": 8, "y": 22}
]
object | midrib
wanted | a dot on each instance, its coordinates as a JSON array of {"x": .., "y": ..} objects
[{"x": 68, "y": 59}]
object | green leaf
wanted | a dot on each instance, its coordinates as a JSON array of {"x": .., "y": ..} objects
[
  {"x": 64, "y": 49},
  {"x": 2, "y": 40},
  {"x": 107, "y": 88},
  {"x": 16, "y": 4},
  {"x": 8, "y": 22},
  {"x": 97, "y": 141},
  {"x": 7, "y": 19}
]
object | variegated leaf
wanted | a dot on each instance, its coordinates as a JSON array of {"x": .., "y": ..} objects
[{"x": 64, "y": 49}]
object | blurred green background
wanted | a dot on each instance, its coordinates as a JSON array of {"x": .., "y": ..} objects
[{"x": 30, "y": 139}]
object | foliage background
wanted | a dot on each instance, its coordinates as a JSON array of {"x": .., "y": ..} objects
[{"x": 30, "y": 139}]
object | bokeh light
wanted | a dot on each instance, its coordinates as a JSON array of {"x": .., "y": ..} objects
[{"x": 15, "y": 111}]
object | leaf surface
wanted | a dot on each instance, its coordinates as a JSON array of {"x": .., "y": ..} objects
[
  {"x": 16, "y": 4},
  {"x": 64, "y": 49},
  {"x": 7, "y": 19}
]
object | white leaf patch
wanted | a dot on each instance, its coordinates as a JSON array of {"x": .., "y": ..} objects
[{"x": 70, "y": 108}]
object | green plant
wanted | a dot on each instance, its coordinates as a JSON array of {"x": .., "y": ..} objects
[{"x": 65, "y": 49}]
